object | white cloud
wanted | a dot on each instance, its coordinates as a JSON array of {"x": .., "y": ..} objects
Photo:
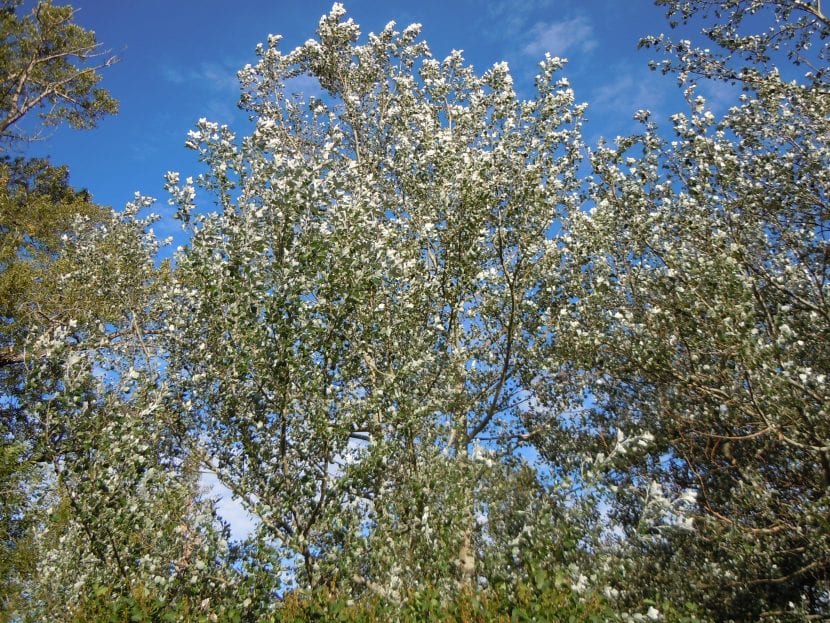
[
  {"x": 240, "y": 521},
  {"x": 214, "y": 84},
  {"x": 304, "y": 85},
  {"x": 720, "y": 95},
  {"x": 630, "y": 91},
  {"x": 507, "y": 18},
  {"x": 171, "y": 74},
  {"x": 613, "y": 101},
  {"x": 562, "y": 37},
  {"x": 213, "y": 76}
]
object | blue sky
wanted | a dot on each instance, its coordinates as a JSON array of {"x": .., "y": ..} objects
[{"x": 179, "y": 59}]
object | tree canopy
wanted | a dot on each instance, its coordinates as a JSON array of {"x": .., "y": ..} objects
[
  {"x": 49, "y": 64},
  {"x": 47, "y": 70}
]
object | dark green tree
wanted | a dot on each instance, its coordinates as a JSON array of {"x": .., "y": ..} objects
[
  {"x": 49, "y": 72},
  {"x": 50, "y": 65}
]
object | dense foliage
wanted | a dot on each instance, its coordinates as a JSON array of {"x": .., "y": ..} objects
[
  {"x": 50, "y": 65},
  {"x": 452, "y": 376},
  {"x": 47, "y": 69}
]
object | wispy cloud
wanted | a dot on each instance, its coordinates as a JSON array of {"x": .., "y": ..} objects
[
  {"x": 240, "y": 521},
  {"x": 214, "y": 84},
  {"x": 626, "y": 92},
  {"x": 616, "y": 100},
  {"x": 212, "y": 76},
  {"x": 561, "y": 38},
  {"x": 304, "y": 85},
  {"x": 720, "y": 95},
  {"x": 510, "y": 16}
]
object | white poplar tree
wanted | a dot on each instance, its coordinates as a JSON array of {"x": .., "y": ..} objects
[
  {"x": 360, "y": 329},
  {"x": 699, "y": 292},
  {"x": 123, "y": 520}
]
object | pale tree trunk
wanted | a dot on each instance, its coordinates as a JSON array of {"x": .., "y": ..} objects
[
  {"x": 467, "y": 557},
  {"x": 466, "y": 560}
]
